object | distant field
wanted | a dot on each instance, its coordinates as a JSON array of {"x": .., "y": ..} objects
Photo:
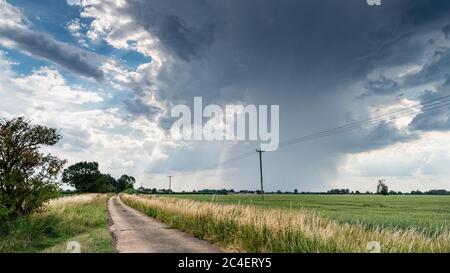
[{"x": 427, "y": 214}]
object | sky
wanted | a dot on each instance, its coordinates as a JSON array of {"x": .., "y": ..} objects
[{"x": 107, "y": 73}]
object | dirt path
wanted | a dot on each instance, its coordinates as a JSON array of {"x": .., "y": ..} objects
[{"x": 137, "y": 233}]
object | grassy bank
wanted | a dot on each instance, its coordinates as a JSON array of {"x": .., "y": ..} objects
[
  {"x": 255, "y": 229},
  {"x": 82, "y": 218},
  {"x": 427, "y": 214}
]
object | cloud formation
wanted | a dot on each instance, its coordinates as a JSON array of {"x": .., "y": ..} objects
[
  {"x": 15, "y": 34},
  {"x": 326, "y": 63},
  {"x": 303, "y": 55}
]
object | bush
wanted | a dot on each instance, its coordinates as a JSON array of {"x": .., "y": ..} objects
[
  {"x": 129, "y": 191},
  {"x": 3, "y": 214},
  {"x": 27, "y": 176}
]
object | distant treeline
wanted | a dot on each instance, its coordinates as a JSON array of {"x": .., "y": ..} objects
[
  {"x": 417, "y": 192},
  {"x": 333, "y": 191}
]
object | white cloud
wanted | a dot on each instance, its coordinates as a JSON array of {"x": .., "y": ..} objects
[
  {"x": 51, "y": 89},
  {"x": 119, "y": 29},
  {"x": 11, "y": 16},
  {"x": 76, "y": 28},
  {"x": 420, "y": 164},
  {"x": 91, "y": 129},
  {"x": 112, "y": 24},
  {"x": 74, "y": 2}
]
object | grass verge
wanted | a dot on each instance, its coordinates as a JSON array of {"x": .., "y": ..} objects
[
  {"x": 82, "y": 218},
  {"x": 254, "y": 229}
]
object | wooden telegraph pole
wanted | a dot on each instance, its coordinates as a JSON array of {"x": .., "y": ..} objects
[
  {"x": 261, "y": 172},
  {"x": 170, "y": 183}
]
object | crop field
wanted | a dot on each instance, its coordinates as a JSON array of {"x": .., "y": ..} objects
[
  {"x": 426, "y": 214},
  {"x": 306, "y": 223}
]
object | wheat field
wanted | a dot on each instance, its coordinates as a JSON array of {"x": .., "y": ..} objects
[{"x": 253, "y": 229}]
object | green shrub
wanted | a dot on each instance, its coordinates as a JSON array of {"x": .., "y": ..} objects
[{"x": 129, "y": 191}]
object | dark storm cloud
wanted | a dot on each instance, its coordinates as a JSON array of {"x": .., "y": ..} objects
[
  {"x": 435, "y": 70},
  {"x": 186, "y": 39},
  {"x": 437, "y": 119},
  {"x": 44, "y": 46},
  {"x": 243, "y": 42},
  {"x": 446, "y": 31},
  {"x": 383, "y": 134},
  {"x": 440, "y": 66},
  {"x": 302, "y": 55},
  {"x": 139, "y": 107},
  {"x": 424, "y": 11},
  {"x": 285, "y": 51},
  {"x": 382, "y": 86}
]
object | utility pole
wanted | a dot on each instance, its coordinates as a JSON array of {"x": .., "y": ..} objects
[
  {"x": 170, "y": 183},
  {"x": 261, "y": 172}
]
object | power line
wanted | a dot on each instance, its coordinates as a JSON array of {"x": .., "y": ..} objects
[
  {"x": 358, "y": 126},
  {"x": 428, "y": 105},
  {"x": 379, "y": 118}
]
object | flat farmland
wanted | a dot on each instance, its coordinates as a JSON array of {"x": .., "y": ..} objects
[{"x": 425, "y": 213}]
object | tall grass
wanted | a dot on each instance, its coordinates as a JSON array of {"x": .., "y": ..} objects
[
  {"x": 253, "y": 229},
  {"x": 82, "y": 218},
  {"x": 427, "y": 214}
]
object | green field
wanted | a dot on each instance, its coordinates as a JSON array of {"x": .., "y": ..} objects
[{"x": 426, "y": 214}]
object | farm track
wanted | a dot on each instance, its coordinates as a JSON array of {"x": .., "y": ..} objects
[{"x": 135, "y": 232}]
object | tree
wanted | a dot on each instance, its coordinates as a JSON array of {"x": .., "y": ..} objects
[
  {"x": 27, "y": 176},
  {"x": 125, "y": 182},
  {"x": 106, "y": 183},
  {"x": 130, "y": 191},
  {"x": 438, "y": 192},
  {"x": 382, "y": 188},
  {"x": 86, "y": 177}
]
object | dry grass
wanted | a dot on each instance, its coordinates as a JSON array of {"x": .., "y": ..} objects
[
  {"x": 72, "y": 200},
  {"x": 253, "y": 229},
  {"x": 81, "y": 218}
]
